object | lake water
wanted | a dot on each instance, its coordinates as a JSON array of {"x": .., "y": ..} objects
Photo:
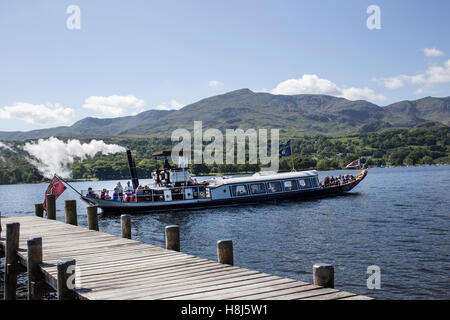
[{"x": 397, "y": 219}]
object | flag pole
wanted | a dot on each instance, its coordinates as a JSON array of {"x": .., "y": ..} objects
[
  {"x": 66, "y": 183},
  {"x": 292, "y": 158}
]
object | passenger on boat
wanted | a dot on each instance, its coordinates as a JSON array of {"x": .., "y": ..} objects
[
  {"x": 105, "y": 195},
  {"x": 116, "y": 196},
  {"x": 352, "y": 177},
  {"x": 337, "y": 181},
  {"x": 167, "y": 165},
  {"x": 119, "y": 190},
  {"x": 129, "y": 193},
  {"x": 139, "y": 193},
  {"x": 91, "y": 193},
  {"x": 332, "y": 181},
  {"x": 326, "y": 182}
]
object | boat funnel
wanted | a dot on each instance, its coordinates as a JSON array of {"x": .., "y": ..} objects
[{"x": 133, "y": 173}]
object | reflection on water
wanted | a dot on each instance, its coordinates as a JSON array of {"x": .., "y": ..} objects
[{"x": 397, "y": 218}]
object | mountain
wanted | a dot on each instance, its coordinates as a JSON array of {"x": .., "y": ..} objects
[
  {"x": 91, "y": 127},
  {"x": 292, "y": 114}
]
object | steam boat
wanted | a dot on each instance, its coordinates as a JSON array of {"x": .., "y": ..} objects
[{"x": 174, "y": 189}]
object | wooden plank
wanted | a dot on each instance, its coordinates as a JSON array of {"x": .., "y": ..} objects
[
  {"x": 239, "y": 291},
  {"x": 358, "y": 297},
  {"x": 154, "y": 291},
  {"x": 181, "y": 290},
  {"x": 331, "y": 296},
  {"x": 316, "y": 291}
]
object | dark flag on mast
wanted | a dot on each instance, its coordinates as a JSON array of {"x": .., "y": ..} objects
[
  {"x": 285, "y": 149},
  {"x": 55, "y": 187}
]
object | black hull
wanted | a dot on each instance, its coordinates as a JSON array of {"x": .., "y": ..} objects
[{"x": 286, "y": 196}]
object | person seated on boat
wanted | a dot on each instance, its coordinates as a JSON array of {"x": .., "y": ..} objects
[
  {"x": 139, "y": 193},
  {"x": 332, "y": 181},
  {"x": 105, "y": 195},
  {"x": 129, "y": 192},
  {"x": 326, "y": 182},
  {"x": 352, "y": 177},
  {"x": 119, "y": 190},
  {"x": 116, "y": 196},
  {"x": 91, "y": 193},
  {"x": 337, "y": 181}
]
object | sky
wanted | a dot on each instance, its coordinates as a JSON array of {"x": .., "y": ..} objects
[{"x": 61, "y": 61}]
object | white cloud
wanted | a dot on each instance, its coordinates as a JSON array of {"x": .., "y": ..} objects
[
  {"x": 312, "y": 84},
  {"x": 433, "y": 75},
  {"x": 361, "y": 94},
  {"x": 114, "y": 105},
  {"x": 432, "y": 52},
  {"x": 420, "y": 91},
  {"x": 215, "y": 84},
  {"x": 393, "y": 83},
  {"x": 37, "y": 113},
  {"x": 307, "y": 84},
  {"x": 53, "y": 155},
  {"x": 172, "y": 105}
]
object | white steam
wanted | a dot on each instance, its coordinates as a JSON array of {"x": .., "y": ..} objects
[
  {"x": 53, "y": 155},
  {"x": 6, "y": 146}
]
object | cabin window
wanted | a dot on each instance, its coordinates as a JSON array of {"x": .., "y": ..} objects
[
  {"x": 258, "y": 188},
  {"x": 308, "y": 183},
  {"x": 302, "y": 183},
  {"x": 290, "y": 185},
  {"x": 202, "y": 192},
  {"x": 240, "y": 190},
  {"x": 274, "y": 186}
]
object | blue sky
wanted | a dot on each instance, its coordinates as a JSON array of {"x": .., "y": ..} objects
[{"x": 130, "y": 56}]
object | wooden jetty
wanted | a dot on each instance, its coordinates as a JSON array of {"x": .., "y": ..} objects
[{"x": 88, "y": 264}]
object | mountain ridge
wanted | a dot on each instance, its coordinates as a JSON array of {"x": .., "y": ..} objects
[{"x": 243, "y": 108}]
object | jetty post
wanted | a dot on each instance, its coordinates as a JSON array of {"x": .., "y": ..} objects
[
  {"x": 34, "y": 259},
  {"x": 39, "y": 210},
  {"x": 323, "y": 275},
  {"x": 11, "y": 261},
  {"x": 125, "y": 220},
  {"x": 51, "y": 206},
  {"x": 173, "y": 237},
  {"x": 92, "y": 217},
  {"x": 70, "y": 208},
  {"x": 66, "y": 279},
  {"x": 225, "y": 251}
]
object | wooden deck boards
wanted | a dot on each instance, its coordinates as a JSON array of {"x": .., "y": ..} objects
[{"x": 111, "y": 267}]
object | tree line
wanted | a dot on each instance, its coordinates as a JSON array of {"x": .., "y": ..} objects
[{"x": 396, "y": 147}]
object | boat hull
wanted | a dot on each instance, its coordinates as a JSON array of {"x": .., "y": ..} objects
[{"x": 113, "y": 207}]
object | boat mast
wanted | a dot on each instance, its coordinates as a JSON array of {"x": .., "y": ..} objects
[{"x": 292, "y": 157}]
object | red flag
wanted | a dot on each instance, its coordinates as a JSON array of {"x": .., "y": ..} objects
[
  {"x": 55, "y": 187},
  {"x": 354, "y": 164}
]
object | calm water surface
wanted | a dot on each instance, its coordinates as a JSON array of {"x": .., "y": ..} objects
[{"x": 397, "y": 219}]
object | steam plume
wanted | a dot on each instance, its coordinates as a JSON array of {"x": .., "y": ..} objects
[{"x": 53, "y": 155}]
